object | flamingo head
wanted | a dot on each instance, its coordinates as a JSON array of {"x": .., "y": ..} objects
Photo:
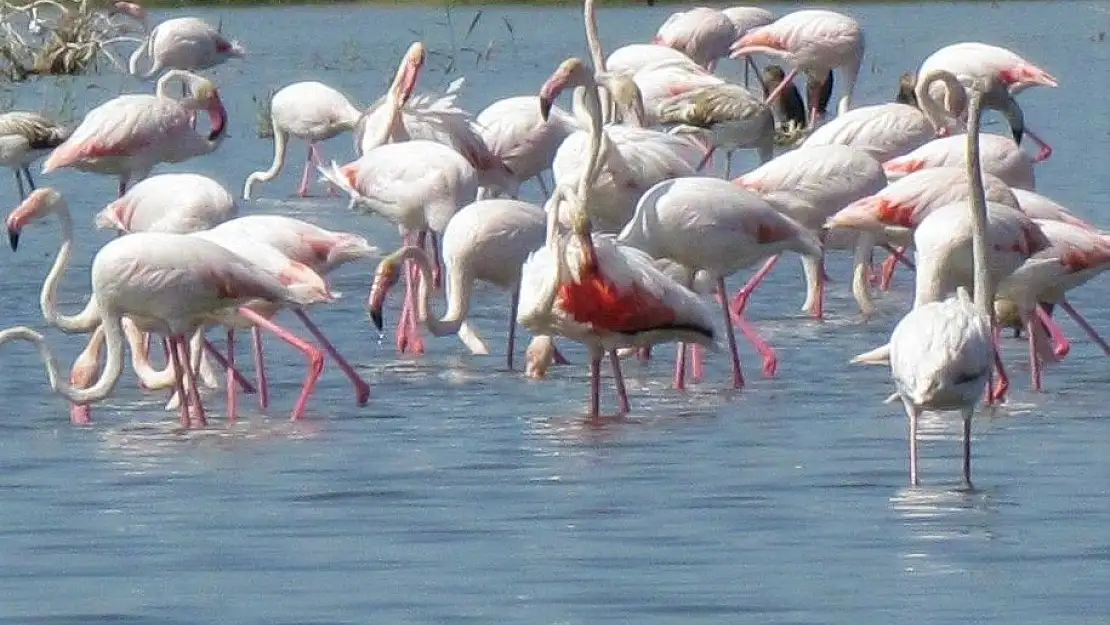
[
  {"x": 573, "y": 72},
  {"x": 205, "y": 91},
  {"x": 39, "y": 204},
  {"x": 906, "y": 85},
  {"x": 347, "y": 248},
  {"x": 85, "y": 371},
  {"x": 385, "y": 278},
  {"x": 411, "y": 65}
]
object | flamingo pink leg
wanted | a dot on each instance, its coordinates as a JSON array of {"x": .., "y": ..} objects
[
  {"x": 770, "y": 358},
  {"x": 302, "y": 190},
  {"x": 232, "y": 384},
  {"x": 437, "y": 266},
  {"x": 707, "y": 160},
  {"x": 740, "y": 301},
  {"x": 734, "y": 355},
  {"x": 260, "y": 369},
  {"x": 179, "y": 383},
  {"x": 786, "y": 81},
  {"x": 595, "y": 385},
  {"x": 618, "y": 380},
  {"x": 194, "y": 389},
  {"x": 315, "y": 358},
  {"x": 996, "y": 393},
  {"x": 1034, "y": 358},
  {"x": 1055, "y": 332},
  {"x": 1079, "y": 320},
  {"x": 697, "y": 370},
  {"x": 362, "y": 388}
]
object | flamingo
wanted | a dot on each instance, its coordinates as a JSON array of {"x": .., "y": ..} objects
[
  {"x": 24, "y": 138},
  {"x": 734, "y": 117},
  {"x": 418, "y": 185},
  {"x": 1001, "y": 73},
  {"x": 39, "y": 205},
  {"x": 940, "y": 352},
  {"x": 398, "y": 116},
  {"x": 1000, "y": 155},
  {"x": 179, "y": 203},
  {"x": 814, "y": 41},
  {"x": 788, "y": 107},
  {"x": 810, "y": 186},
  {"x": 310, "y": 111},
  {"x": 128, "y": 135},
  {"x": 891, "y": 215},
  {"x": 1076, "y": 254},
  {"x": 488, "y": 240},
  {"x": 634, "y": 158},
  {"x": 712, "y": 225},
  {"x": 515, "y": 132},
  {"x": 169, "y": 284},
  {"x": 184, "y": 43},
  {"x": 703, "y": 34},
  {"x": 1038, "y": 206},
  {"x": 745, "y": 19}
]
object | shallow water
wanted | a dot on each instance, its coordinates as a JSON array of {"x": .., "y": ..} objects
[{"x": 465, "y": 494}]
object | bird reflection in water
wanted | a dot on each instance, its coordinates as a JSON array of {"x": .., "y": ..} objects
[{"x": 935, "y": 517}]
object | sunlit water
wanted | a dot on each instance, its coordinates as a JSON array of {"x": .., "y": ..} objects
[{"x": 465, "y": 494}]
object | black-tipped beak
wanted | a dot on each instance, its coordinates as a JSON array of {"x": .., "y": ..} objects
[
  {"x": 376, "y": 318},
  {"x": 1018, "y": 132},
  {"x": 13, "y": 239},
  {"x": 545, "y": 108}
]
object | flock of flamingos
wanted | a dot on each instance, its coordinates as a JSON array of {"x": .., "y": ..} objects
[{"x": 632, "y": 237}]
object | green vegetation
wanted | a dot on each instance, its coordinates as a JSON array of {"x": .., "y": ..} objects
[{"x": 474, "y": 3}]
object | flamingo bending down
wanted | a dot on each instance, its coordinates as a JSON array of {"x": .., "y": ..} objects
[
  {"x": 169, "y": 284},
  {"x": 814, "y": 41},
  {"x": 418, "y": 185},
  {"x": 940, "y": 353},
  {"x": 515, "y": 131},
  {"x": 185, "y": 43},
  {"x": 701, "y": 33},
  {"x": 1075, "y": 255},
  {"x": 398, "y": 116},
  {"x": 322, "y": 251},
  {"x": 310, "y": 111},
  {"x": 40, "y": 204},
  {"x": 24, "y": 138},
  {"x": 1001, "y": 157},
  {"x": 810, "y": 186},
  {"x": 128, "y": 135},
  {"x": 710, "y": 224},
  {"x": 488, "y": 240},
  {"x": 734, "y": 117},
  {"x": 1000, "y": 74}
]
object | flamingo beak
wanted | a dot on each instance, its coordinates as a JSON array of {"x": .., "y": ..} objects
[
  {"x": 217, "y": 114},
  {"x": 414, "y": 62},
  {"x": 13, "y": 238},
  {"x": 551, "y": 90},
  {"x": 375, "y": 304}
]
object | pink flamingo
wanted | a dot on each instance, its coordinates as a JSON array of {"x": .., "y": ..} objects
[
  {"x": 810, "y": 186},
  {"x": 310, "y": 111},
  {"x": 128, "y": 135},
  {"x": 398, "y": 116},
  {"x": 169, "y": 284},
  {"x": 999, "y": 73},
  {"x": 703, "y": 34},
  {"x": 320, "y": 251},
  {"x": 184, "y": 43},
  {"x": 814, "y": 41},
  {"x": 418, "y": 185},
  {"x": 515, "y": 131},
  {"x": 710, "y": 224}
]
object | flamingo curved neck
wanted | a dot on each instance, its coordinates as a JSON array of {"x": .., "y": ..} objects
[
  {"x": 113, "y": 334},
  {"x": 936, "y": 113},
  {"x": 136, "y": 57},
  {"x": 87, "y": 319},
  {"x": 280, "y": 141},
  {"x": 458, "y": 296}
]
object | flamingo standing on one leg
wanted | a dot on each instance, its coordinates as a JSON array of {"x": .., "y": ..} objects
[
  {"x": 310, "y": 111},
  {"x": 24, "y": 138},
  {"x": 128, "y": 135}
]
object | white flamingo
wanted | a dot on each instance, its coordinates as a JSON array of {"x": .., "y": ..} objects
[{"x": 185, "y": 43}]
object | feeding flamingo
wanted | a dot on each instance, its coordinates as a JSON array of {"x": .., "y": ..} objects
[
  {"x": 128, "y": 135},
  {"x": 488, "y": 240},
  {"x": 310, "y": 111},
  {"x": 515, "y": 131},
  {"x": 168, "y": 284},
  {"x": 418, "y": 185},
  {"x": 711, "y": 224},
  {"x": 701, "y": 33},
  {"x": 814, "y": 41},
  {"x": 24, "y": 138}
]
